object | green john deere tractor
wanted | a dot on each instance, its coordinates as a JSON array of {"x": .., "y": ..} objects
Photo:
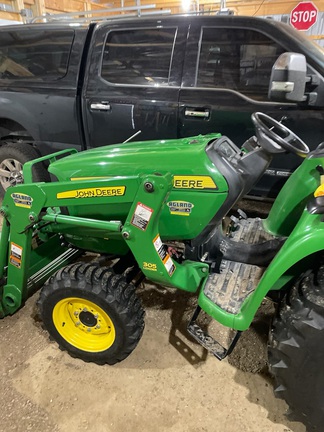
[{"x": 157, "y": 209}]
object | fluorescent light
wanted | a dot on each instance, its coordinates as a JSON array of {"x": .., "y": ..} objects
[{"x": 186, "y": 5}]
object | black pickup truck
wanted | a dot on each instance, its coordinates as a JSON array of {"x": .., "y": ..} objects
[{"x": 76, "y": 85}]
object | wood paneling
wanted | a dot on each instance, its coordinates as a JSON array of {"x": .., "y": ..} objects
[
  {"x": 240, "y": 7},
  {"x": 12, "y": 16},
  {"x": 65, "y": 5}
]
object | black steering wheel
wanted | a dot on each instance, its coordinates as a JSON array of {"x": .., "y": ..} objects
[{"x": 277, "y": 138}]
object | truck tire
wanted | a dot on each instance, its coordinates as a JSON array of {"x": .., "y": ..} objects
[
  {"x": 92, "y": 313},
  {"x": 296, "y": 349},
  {"x": 12, "y": 158}
]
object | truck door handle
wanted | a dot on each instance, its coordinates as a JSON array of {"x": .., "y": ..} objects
[
  {"x": 191, "y": 112},
  {"x": 100, "y": 106}
]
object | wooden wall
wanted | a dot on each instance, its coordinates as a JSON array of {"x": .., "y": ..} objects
[
  {"x": 240, "y": 7},
  {"x": 40, "y": 7}
]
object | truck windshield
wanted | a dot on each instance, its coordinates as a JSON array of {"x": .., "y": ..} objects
[{"x": 311, "y": 45}]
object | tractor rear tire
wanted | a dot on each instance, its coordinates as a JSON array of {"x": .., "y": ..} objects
[
  {"x": 296, "y": 349},
  {"x": 92, "y": 313}
]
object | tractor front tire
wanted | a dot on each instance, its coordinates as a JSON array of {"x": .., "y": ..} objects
[
  {"x": 92, "y": 313},
  {"x": 296, "y": 349}
]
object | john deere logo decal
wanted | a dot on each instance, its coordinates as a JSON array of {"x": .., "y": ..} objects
[
  {"x": 193, "y": 182},
  {"x": 22, "y": 200},
  {"x": 93, "y": 192},
  {"x": 180, "y": 208}
]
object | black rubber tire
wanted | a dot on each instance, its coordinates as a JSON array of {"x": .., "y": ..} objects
[
  {"x": 110, "y": 293},
  {"x": 296, "y": 349},
  {"x": 23, "y": 152}
]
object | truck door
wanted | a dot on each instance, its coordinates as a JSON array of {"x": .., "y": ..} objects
[
  {"x": 133, "y": 81},
  {"x": 226, "y": 78}
]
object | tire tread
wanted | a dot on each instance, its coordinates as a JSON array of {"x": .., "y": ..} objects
[
  {"x": 112, "y": 289},
  {"x": 296, "y": 340}
]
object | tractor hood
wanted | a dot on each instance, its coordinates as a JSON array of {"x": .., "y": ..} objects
[
  {"x": 179, "y": 157},
  {"x": 207, "y": 171}
]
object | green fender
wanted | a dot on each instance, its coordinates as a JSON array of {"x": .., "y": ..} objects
[{"x": 306, "y": 239}]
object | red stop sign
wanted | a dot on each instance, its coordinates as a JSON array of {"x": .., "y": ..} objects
[{"x": 304, "y": 15}]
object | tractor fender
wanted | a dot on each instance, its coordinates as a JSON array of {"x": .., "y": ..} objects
[{"x": 306, "y": 239}]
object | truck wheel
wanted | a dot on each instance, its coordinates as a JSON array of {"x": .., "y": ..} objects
[
  {"x": 92, "y": 313},
  {"x": 12, "y": 158},
  {"x": 296, "y": 349}
]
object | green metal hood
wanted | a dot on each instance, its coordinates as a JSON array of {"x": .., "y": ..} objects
[
  {"x": 198, "y": 192},
  {"x": 179, "y": 157}
]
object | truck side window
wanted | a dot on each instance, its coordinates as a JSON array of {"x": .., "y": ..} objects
[
  {"x": 237, "y": 59},
  {"x": 35, "y": 54},
  {"x": 140, "y": 57}
]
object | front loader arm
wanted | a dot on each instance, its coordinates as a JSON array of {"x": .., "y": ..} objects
[
  {"x": 141, "y": 232},
  {"x": 33, "y": 207}
]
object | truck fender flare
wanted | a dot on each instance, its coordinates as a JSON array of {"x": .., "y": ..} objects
[{"x": 23, "y": 124}]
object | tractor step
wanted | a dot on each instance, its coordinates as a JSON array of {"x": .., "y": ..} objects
[
  {"x": 207, "y": 341},
  {"x": 250, "y": 231},
  {"x": 235, "y": 282}
]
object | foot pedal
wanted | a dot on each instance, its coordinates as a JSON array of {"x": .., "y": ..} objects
[
  {"x": 207, "y": 341},
  {"x": 250, "y": 231}
]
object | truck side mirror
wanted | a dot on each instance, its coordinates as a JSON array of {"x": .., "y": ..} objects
[{"x": 288, "y": 78}]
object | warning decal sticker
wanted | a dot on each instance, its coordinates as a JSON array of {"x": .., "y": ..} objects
[
  {"x": 163, "y": 254},
  {"x": 169, "y": 265},
  {"x": 15, "y": 255},
  {"x": 141, "y": 216},
  {"x": 159, "y": 247}
]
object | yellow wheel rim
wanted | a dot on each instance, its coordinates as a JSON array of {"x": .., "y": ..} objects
[{"x": 84, "y": 324}]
